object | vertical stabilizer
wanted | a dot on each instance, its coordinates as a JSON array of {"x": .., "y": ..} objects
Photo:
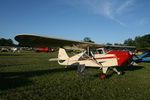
[{"x": 62, "y": 54}]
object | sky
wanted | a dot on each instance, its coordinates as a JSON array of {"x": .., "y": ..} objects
[{"x": 104, "y": 21}]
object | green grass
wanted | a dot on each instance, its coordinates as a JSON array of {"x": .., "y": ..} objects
[{"x": 30, "y": 75}]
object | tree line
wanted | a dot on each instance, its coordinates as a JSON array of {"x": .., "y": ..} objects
[
  {"x": 6, "y": 42},
  {"x": 139, "y": 42}
]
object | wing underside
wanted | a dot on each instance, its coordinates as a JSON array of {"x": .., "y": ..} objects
[
  {"x": 43, "y": 41},
  {"x": 36, "y": 40}
]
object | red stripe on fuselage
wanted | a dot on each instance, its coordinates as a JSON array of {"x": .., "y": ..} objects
[{"x": 98, "y": 58}]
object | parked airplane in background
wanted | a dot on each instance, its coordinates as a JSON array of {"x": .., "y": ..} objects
[
  {"x": 42, "y": 49},
  {"x": 14, "y": 49},
  {"x": 4, "y": 49},
  {"x": 142, "y": 54},
  {"x": 91, "y": 55},
  {"x": 9, "y": 48}
]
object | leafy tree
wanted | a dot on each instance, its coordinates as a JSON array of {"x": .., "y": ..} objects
[
  {"x": 143, "y": 41},
  {"x": 139, "y": 41},
  {"x": 119, "y": 44},
  {"x": 6, "y": 42},
  {"x": 129, "y": 42},
  {"x": 116, "y": 43},
  {"x": 87, "y": 39},
  {"x": 108, "y": 44}
]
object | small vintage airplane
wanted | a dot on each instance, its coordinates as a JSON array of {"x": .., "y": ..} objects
[
  {"x": 91, "y": 55},
  {"x": 9, "y": 48},
  {"x": 42, "y": 49},
  {"x": 142, "y": 54}
]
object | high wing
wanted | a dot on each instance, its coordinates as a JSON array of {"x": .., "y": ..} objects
[
  {"x": 43, "y": 41},
  {"x": 121, "y": 47},
  {"x": 36, "y": 40}
]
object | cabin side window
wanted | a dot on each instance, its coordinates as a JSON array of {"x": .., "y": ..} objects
[
  {"x": 83, "y": 57},
  {"x": 100, "y": 52},
  {"x": 97, "y": 52}
]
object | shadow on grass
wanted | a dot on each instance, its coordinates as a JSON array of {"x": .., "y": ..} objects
[
  {"x": 144, "y": 62},
  {"x": 3, "y": 54},
  {"x": 123, "y": 69},
  {"x": 10, "y": 80},
  {"x": 13, "y": 82},
  {"x": 9, "y": 65},
  {"x": 129, "y": 68}
]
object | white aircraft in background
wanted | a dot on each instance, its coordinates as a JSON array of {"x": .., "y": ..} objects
[
  {"x": 91, "y": 55},
  {"x": 9, "y": 48},
  {"x": 13, "y": 49}
]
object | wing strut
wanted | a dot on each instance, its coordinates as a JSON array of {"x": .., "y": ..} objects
[{"x": 93, "y": 59}]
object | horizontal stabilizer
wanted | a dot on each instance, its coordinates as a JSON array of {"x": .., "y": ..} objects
[{"x": 53, "y": 59}]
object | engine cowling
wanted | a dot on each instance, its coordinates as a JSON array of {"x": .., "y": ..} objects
[{"x": 123, "y": 57}]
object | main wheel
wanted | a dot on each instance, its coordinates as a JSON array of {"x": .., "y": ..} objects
[
  {"x": 120, "y": 73},
  {"x": 103, "y": 76}
]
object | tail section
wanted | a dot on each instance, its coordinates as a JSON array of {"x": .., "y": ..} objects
[
  {"x": 62, "y": 54},
  {"x": 63, "y": 58}
]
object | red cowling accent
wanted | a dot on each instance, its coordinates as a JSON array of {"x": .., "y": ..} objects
[{"x": 123, "y": 57}]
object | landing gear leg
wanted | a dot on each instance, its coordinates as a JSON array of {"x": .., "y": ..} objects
[
  {"x": 103, "y": 76},
  {"x": 118, "y": 72}
]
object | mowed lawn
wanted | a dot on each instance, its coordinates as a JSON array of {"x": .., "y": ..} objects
[{"x": 29, "y": 75}]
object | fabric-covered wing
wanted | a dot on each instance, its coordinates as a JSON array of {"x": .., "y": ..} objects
[
  {"x": 42, "y": 41},
  {"x": 121, "y": 47}
]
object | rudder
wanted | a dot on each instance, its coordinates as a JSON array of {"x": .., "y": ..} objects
[{"x": 62, "y": 54}]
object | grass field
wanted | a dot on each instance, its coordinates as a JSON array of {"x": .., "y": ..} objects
[{"x": 29, "y": 75}]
